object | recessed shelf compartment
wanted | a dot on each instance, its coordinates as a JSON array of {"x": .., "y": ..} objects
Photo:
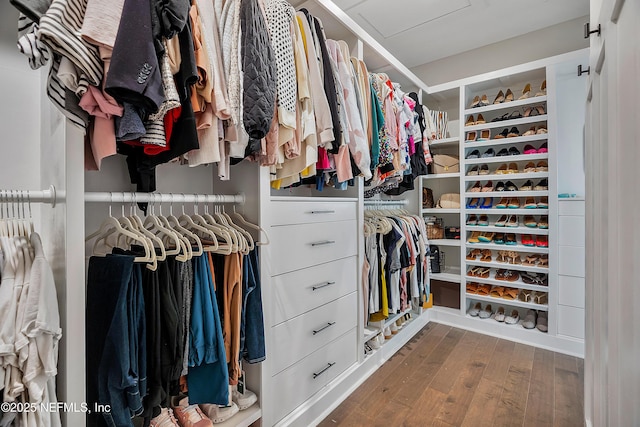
[
  {"x": 450, "y": 274},
  {"x": 508, "y": 124},
  {"x": 505, "y": 266},
  {"x": 507, "y": 211},
  {"x": 444, "y": 242},
  {"x": 441, "y": 176},
  {"x": 508, "y": 159},
  {"x": 513, "y": 303},
  {"x": 438, "y": 211},
  {"x": 445, "y": 142},
  {"x": 508, "y": 194},
  {"x": 516, "y": 230},
  {"x": 535, "y": 100},
  {"x": 504, "y": 247},
  {"x": 507, "y": 176},
  {"x": 507, "y": 141}
]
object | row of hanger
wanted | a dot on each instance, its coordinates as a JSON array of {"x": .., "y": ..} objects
[
  {"x": 377, "y": 221},
  {"x": 184, "y": 236},
  {"x": 14, "y": 220}
]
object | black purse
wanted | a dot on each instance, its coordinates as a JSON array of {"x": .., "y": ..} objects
[
  {"x": 452, "y": 232},
  {"x": 434, "y": 258}
]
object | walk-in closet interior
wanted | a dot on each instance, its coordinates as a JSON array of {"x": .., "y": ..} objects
[{"x": 235, "y": 212}]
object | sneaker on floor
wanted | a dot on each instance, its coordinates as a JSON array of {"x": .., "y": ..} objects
[
  {"x": 165, "y": 419},
  {"x": 246, "y": 399},
  {"x": 219, "y": 414},
  {"x": 191, "y": 415}
]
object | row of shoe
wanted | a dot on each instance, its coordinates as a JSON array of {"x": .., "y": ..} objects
[
  {"x": 514, "y": 258},
  {"x": 514, "y": 132},
  {"x": 543, "y": 185},
  {"x": 508, "y": 203},
  {"x": 537, "y": 110},
  {"x": 509, "y": 221},
  {"x": 511, "y": 168},
  {"x": 531, "y": 320},
  {"x": 510, "y": 239},
  {"x": 205, "y": 415},
  {"x": 511, "y": 151},
  {"x": 387, "y": 333},
  {"x": 483, "y": 101},
  {"x": 506, "y": 292}
]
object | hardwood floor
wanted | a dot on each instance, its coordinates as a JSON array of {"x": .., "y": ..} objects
[{"x": 451, "y": 377}]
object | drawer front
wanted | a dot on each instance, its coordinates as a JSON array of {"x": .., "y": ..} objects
[
  {"x": 301, "y": 336},
  {"x": 571, "y": 321},
  {"x": 302, "y": 380},
  {"x": 571, "y": 207},
  {"x": 300, "y": 291},
  {"x": 300, "y": 246},
  {"x": 287, "y": 213},
  {"x": 571, "y": 291},
  {"x": 571, "y": 230},
  {"x": 571, "y": 261}
]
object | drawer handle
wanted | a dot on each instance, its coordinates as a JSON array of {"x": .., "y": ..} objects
[
  {"x": 317, "y": 374},
  {"x": 329, "y": 324},
  {"x": 325, "y": 242},
  {"x": 321, "y": 212},
  {"x": 324, "y": 285}
]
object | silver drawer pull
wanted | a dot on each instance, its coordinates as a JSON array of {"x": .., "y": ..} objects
[
  {"x": 324, "y": 285},
  {"x": 317, "y": 374},
  {"x": 329, "y": 324},
  {"x": 322, "y": 212},
  {"x": 325, "y": 242}
]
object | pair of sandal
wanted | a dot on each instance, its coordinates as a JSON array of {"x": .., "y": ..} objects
[
  {"x": 485, "y": 255},
  {"x": 509, "y": 257},
  {"x": 504, "y": 292},
  {"x": 532, "y": 167},
  {"x": 536, "y": 260},
  {"x": 507, "y": 275},
  {"x": 478, "y": 289},
  {"x": 481, "y": 272},
  {"x": 535, "y": 297},
  {"x": 531, "y": 278}
]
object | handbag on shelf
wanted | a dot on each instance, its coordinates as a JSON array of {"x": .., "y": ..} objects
[
  {"x": 446, "y": 163},
  {"x": 427, "y": 198},
  {"x": 435, "y": 228},
  {"x": 449, "y": 201},
  {"x": 435, "y": 258}
]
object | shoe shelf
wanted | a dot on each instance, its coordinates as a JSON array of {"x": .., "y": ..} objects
[
  {"x": 507, "y": 105},
  {"x": 243, "y": 418},
  {"x": 506, "y": 194},
  {"x": 505, "y": 247},
  {"x": 438, "y": 211},
  {"x": 507, "y": 177},
  {"x": 370, "y": 332},
  {"x": 393, "y": 317},
  {"x": 506, "y": 211},
  {"x": 507, "y": 141},
  {"x": 451, "y": 274},
  {"x": 508, "y": 124},
  {"x": 515, "y": 230},
  {"x": 507, "y": 159},
  {"x": 445, "y": 242},
  {"x": 510, "y": 302},
  {"x": 500, "y": 325},
  {"x": 445, "y": 142},
  {"x": 442, "y": 175},
  {"x": 506, "y": 266}
]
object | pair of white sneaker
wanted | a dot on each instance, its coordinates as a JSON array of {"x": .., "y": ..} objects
[{"x": 239, "y": 402}]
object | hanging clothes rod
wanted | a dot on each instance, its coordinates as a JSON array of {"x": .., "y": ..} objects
[
  {"x": 31, "y": 196},
  {"x": 128, "y": 197},
  {"x": 386, "y": 202}
]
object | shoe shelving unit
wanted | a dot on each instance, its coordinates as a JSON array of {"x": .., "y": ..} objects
[{"x": 553, "y": 118}]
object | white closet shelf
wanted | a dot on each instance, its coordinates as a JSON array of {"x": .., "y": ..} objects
[
  {"x": 507, "y": 105},
  {"x": 503, "y": 327},
  {"x": 508, "y": 177},
  {"x": 445, "y": 142},
  {"x": 441, "y": 176},
  {"x": 507, "y": 194},
  {"x": 445, "y": 242},
  {"x": 504, "y": 247},
  {"x": 395, "y": 317},
  {"x": 507, "y": 124},
  {"x": 370, "y": 332},
  {"x": 507, "y": 141},
  {"x": 450, "y": 274},
  {"x": 508, "y": 159},
  {"x": 502, "y": 301},
  {"x": 516, "y": 230},
  {"x": 312, "y": 199},
  {"x": 439, "y": 211},
  {"x": 243, "y": 418},
  {"x": 495, "y": 211},
  {"x": 504, "y": 265}
]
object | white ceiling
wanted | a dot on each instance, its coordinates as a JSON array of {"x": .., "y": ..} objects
[{"x": 422, "y": 31}]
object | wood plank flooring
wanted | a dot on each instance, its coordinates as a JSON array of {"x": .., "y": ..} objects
[{"x": 451, "y": 377}]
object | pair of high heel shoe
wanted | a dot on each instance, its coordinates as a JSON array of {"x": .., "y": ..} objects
[{"x": 482, "y": 101}]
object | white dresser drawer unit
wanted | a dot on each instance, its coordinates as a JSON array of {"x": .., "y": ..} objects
[
  {"x": 300, "y": 291},
  {"x": 300, "y": 246},
  {"x": 287, "y": 213},
  {"x": 299, "y": 382},
  {"x": 302, "y": 335}
]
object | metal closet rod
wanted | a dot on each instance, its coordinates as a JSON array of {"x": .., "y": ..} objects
[
  {"x": 129, "y": 197},
  {"x": 49, "y": 195},
  {"x": 386, "y": 202}
]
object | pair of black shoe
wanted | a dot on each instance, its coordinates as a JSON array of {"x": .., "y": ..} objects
[
  {"x": 508, "y": 116},
  {"x": 509, "y": 186},
  {"x": 512, "y": 151},
  {"x": 508, "y": 133}
]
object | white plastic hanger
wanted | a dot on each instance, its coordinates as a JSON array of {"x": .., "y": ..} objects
[
  {"x": 220, "y": 231},
  {"x": 172, "y": 222},
  {"x": 187, "y": 222},
  {"x": 245, "y": 223}
]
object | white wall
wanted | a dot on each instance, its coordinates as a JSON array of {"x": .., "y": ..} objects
[{"x": 550, "y": 41}]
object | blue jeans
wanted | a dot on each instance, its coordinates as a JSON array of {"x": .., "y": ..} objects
[
  {"x": 113, "y": 360},
  {"x": 252, "y": 326},
  {"x": 208, "y": 378}
]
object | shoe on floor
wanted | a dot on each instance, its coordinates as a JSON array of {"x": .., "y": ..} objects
[
  {"x": 165, "y": 419},
  {"x": 529, "y": 320},
  {"x": 248, "y": 398},
  {"x": 219, "y": 414},
  {"x": 543, "y": 321}
]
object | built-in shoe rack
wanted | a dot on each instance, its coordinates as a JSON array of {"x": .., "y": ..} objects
[{"x": 505, "y": 194}]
